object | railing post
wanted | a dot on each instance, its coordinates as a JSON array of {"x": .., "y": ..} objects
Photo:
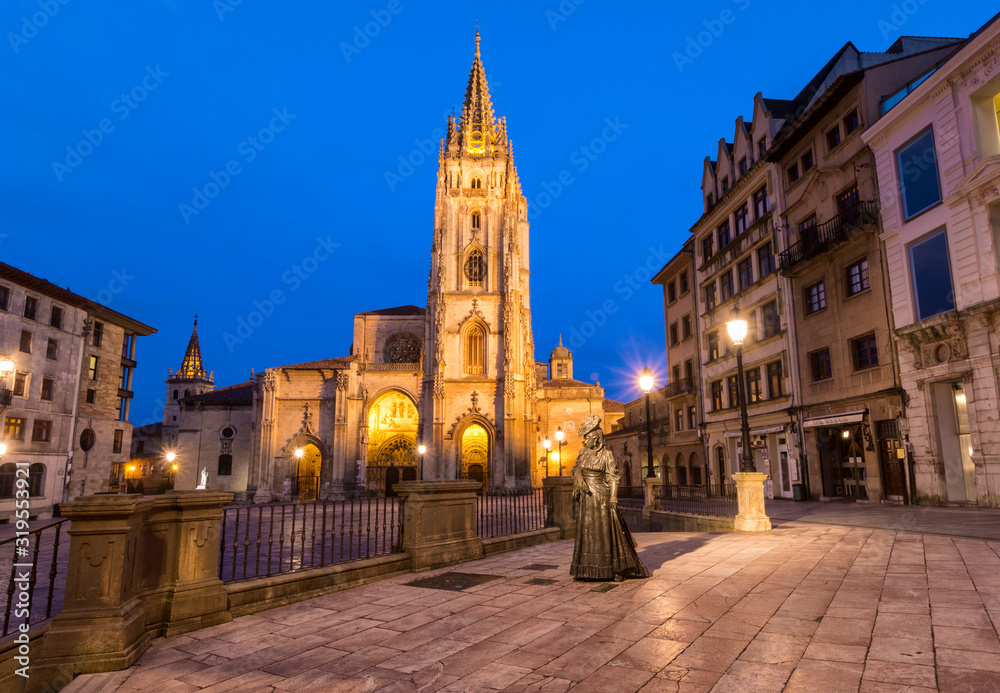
[
  {"x": 439, "y": 522},
  {"x": 559, "y": 505},
  {"x": 653, "y": 484}
]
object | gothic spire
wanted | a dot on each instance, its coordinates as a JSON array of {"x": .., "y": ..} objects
[
  {"x": 192, "y": 367},
  {"x": 478, "y": 125}
]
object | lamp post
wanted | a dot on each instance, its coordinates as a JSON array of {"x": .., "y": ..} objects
[
  {"x": 170, "y": 457},
  {"x": 737, "y": 328},
  {"x": 646, "y": 383},
  {"x": 547, "y": 444},
  {"x": 560, "y": 436},
  {"x": 422, "y": 449}
]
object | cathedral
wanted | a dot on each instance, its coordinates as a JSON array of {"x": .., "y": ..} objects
[{"x": 447, "y": 392}]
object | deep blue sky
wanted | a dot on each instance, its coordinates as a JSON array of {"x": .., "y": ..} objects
[{"x": 217, "y": 72}]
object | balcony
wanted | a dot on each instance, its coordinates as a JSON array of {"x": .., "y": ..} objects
[
  {"x": 820, "y": 238},
  {"x": 679, "y": 387}
]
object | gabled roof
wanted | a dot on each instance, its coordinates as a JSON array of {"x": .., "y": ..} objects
[
  {"x": 398, "y": 310},
  {"x": 233, "y": 394},
  {"x": 334, "y": 363},
  {"x": 566, "y": 382}
]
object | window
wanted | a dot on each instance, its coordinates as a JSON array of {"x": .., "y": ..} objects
[
  {"x": 4, "y": 297},
  {"x": 116, "y": 446},
  {"x": 716, "y": 388},
  {"x": 742, "y": 218},
  {"x": 723, "y": 233},
  {"x": 711, "y": 298},
  {"x": 692, "y": 418},
  {"x": 743, "y": 166},
  {"x": 733, "y": 386},
  {"x": 671, "y": 292},
  {"x": 689, "y": 370},
  {"x": 13, "y": 428},
  {"x": 806, "y": 161},
  {"x": 684, "y": 283},
  {"x": 745, "y": 270},
  {"x": 685, "y": 327},
  {"x": 477, "y": 183},
  {"x": 918, "y": 175},
  {"x": 706, "y": 248},
  {"x": 679, "y": 420},
  {"x": 87, "y": 439},
  {"x": 760, "y": 203},
  {"x": 851, "y": 122},
  {"x": 55, "y": 319},
  {"x": 864, "y": 351},
  {"x": 793, "y": 173},
  {"x": 725, "y": 184},
  {"x": 709, "y": 201},
  {"x": 765, "y": 260},
  {"x": 91, "y": 396},
  {"x": 931, "y": 271},
  {"x": 848, "y": 200},
  {"x": 475, "y": 268},
  {"x": 775, "y": 387},
  {"x": 676, "y": 371},
  {"x": 92, "y": 368},
  {"x": 98, "y": 333},
  {"x": 30, "y": 306},
  {"x": 713, "y": 346},
  {"x": 819, "y": 365},
  {"x": 769, "y": 318},
  {"x": 228, "y": 433},
  {"x": 475, "y": 220},
  {"x": 673, "y": 334},
  {"x": 754, "y": 391},
  {"x": 7, "y": 472},
  {"x": 20, "y": 384},
  {"x": 36, "y": 479},
  {"x": 833, "y": 137},
  {"x": 727, "y": 284},
  {"x": 815, "y": 298},
  {"x": 52, "y": 349},
  {"x": 25, "y": 341},
  {"x": 857, "y": 277},
  {"x": 140, "y": 447},
  {"x": 48, "y": 386},
  {"x": 475, "y": 350},
  {"x": 41, "y": 431},
  {"x": 225, "y": 465}
]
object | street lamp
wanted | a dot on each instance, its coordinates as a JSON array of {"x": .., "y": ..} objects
[
  {"x": 737, "y": 328},
  {"x": 422, "y": 449},
  {"x": 646, "y": 383},
  {"x": 560, "y": 436},
  {"x": 547, "y": 444},
  {"x": 171, "y": 477},
  {"x": 3, "y": 449}
]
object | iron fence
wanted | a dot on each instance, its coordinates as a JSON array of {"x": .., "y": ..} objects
[
  {"x": 717, "y": 500},
  {"x": 631, "y": 496},
  {"x": 510, "y": 511},
  {"x": 38, "y": 554},
  {"x": 264, "y": 540}
]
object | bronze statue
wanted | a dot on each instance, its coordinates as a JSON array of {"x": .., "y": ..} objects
[{"x": 604, "y": 548}]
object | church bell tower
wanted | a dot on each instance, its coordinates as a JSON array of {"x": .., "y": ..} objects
[{"x": 477, "y": 413}]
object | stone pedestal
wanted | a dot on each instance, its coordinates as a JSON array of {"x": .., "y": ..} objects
[
  {"x": 750, "y": 503},
  {"x": 559, "y": 505},
  {"x": 439, "y": 522},
  {"x": 652, "y": 485}
]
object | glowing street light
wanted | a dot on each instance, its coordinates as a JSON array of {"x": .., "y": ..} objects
[
  {"x": 737, "y": 328},
  {"x": 6, "y": 365},
  {"x": 422, "y": 449},
  {"x": 646, "y": 383},
  {"x": 3, "y": 449},
  {"x": 560, "y": 437},
  {"x": 171, "y": 457}
]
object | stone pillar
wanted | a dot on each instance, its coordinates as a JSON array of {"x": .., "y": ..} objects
[
  {"x": 750, "y": 503},
  {"x": 652, "y": 484},
  {"x": 439, "y": 522},
  {"x": 560, "y": 510}
]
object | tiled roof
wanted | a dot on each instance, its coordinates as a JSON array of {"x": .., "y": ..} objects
[
  {"x": 242, "y": 392},
  {"x": 566, "y": 382},
  {"x": 398, "y": 310},
  {"x": 339, "y": 362},
  {"x": 614, "y": 406}
]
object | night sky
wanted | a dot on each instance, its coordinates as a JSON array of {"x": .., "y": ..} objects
[{"x": 173, "y": 158}]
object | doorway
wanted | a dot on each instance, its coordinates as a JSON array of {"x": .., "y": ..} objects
[{"x": 475, "y": 454}]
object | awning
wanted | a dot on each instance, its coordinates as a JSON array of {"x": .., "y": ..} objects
[
  {"x": 757, "y": 431},
  {"x": 847, "y": 417}
]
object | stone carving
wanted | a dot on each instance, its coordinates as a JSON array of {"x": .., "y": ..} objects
[
  {"x": 402, "y": 348},
  {"x": 204, "y": 480},
  {"x": 935, "y": 344},
  {"x": 93, "y": 560},
  {"x": 342, "y": 379}
]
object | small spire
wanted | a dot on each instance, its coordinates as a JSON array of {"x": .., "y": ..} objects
[
  {"x": 192, "y": 367},
  {"x": 560, "y": 340}
]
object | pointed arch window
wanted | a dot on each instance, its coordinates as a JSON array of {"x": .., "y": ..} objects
[
  {"x": 477, "y": 182},
  {"x": 476, "y": 220},
  {"x": 475, "y": 350},
  {"x": 475, "y": 268}
]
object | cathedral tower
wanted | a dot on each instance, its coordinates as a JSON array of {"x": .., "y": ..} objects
[
  {"x": 477, "y": 414},
  {"x": 190, "y": 379}
]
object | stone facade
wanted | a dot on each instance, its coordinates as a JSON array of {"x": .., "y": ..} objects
[{"x": 936, "y": 152}]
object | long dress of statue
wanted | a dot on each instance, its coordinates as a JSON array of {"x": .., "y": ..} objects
[{"x": 604, "y": 548}]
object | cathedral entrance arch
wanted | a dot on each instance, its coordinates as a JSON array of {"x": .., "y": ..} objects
[
  {"x": 309, "y": 463},
  {"x": 476, "y": 454},
  {"x": 392, "y": 440}
]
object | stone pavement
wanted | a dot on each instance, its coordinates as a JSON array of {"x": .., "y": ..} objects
[{"x": 810, "y": 606}]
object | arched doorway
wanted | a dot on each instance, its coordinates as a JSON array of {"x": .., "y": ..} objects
[
  {"x": 476, "y": 454},
  {"x": 307, "y": 471},
  {"x": 392, "y": 439}
]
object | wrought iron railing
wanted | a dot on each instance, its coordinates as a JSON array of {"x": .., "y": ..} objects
[
  {"x": 264, "y": 540},
  {"x": 37, "y": 555},
  {"x": 510, "y": 511},
  {"x": 717, "y": 500},
  {"x": 631, "y": 496},
  {"x": 818, "y": 238}
]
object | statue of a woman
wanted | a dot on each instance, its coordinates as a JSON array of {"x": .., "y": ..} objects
[
  {"x": 604, "y": 548},
  {"x": 204, "y": 477}
]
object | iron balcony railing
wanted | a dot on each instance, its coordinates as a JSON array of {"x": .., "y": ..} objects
[
  {"x": 631, "y": 496},
  {"x": 817, "y": 239},
  {"x": 264, "y": 540},
  {"x": 502, "y": 512},
  {"x": 42, "y": 555},
  {"x": 716, "y": 500}
]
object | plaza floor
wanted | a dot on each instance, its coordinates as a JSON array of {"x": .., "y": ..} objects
[{"x": 838, "y": 597}]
